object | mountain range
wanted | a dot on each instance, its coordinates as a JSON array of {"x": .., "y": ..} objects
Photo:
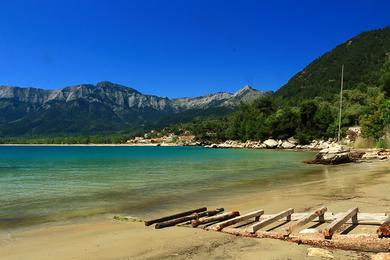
[
  {"x": 104, "y": 107},
  {"x": 107, "y": 107}
]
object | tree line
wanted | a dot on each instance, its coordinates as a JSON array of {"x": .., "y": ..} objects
[{"x": 364, "y": 104}]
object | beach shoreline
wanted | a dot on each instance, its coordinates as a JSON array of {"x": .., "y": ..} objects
[{"x": 350, "y": 185}]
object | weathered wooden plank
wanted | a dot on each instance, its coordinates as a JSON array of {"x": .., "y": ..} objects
[
  {"x": 319, "y": 213},
  {"x": 221, "y": 217},
  {"x": 384, "y": 229},
  {"x": 337, "y": 223},
  {"x": 176, "y": 221},
  {"x": 255, "y": 214},
  {"x": 363, "y": 218},
  {"x": 177, "y": 215},
  {"x": 287, "y": 213}
]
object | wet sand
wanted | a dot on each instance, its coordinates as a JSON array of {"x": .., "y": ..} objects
[{"x": 364, "y": 185}]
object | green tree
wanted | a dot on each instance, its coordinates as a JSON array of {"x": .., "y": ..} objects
[{"x": 385, "y": 78}]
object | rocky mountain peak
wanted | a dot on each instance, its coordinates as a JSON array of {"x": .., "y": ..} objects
[
  {"x": 245, "y": 90},
  {"x": 114, "y": 86}
]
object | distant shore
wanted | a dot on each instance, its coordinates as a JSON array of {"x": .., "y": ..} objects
[
  {"x": 328, "y": 152},
  {"x": 124, "y": 144}
]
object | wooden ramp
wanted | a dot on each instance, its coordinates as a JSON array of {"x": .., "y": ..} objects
[{"x": 318, "y": 228}]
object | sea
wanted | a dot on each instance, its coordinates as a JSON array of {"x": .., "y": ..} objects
[{"x": 45, "y": 184}]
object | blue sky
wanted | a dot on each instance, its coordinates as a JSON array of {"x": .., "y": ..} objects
[{"x": 174, "y": 48}]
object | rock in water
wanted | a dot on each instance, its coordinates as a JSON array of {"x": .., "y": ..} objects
[
  {"x": 335, "y": 154},
  {"x": 318, "y": 252},
  {"x": 271, "y": 143}
]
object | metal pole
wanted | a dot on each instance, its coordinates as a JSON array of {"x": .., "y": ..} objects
[{"x": 341, "y": 101}]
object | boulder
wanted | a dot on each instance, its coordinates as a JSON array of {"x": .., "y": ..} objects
[
  {"x": 335, "y": 149},
  {"x": 335, "y": 154},
  {"x": 370, "y": 156},
  {"x": 292, "y": 140},
  {"x": 271, "y": 143},
  {"x": 288, "y": 145},
  {"x": 262, "y": 146},
  {"x": 324, "y": 145}
]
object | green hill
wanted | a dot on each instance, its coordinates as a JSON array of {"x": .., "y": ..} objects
[
  {"x": 363, "y": 57},
  {"x": 307, "y": 107}
]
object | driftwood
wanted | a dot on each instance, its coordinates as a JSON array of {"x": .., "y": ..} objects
[
  {"x": 178, "y": 215},
  {"x": 319, "y": 213},
  {"x": 255, "y": 214},
  {"x": 266, "y": 222},
  {"x": 176, "y": 221},
  {"x": 337, "y": 223},
  {"x": 221, "y": 217},
  {"x": 384, "y": 229},
  {"x": 224, "y": 222},
  {"x": 363, "y": 242}
]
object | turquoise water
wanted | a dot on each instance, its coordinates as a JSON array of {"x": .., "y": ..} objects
[{"x": 44, "y": 184}]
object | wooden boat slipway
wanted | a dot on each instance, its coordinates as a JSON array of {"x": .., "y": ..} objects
[{"x": 318, "y": 228}]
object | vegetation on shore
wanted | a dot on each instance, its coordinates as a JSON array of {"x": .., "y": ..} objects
[
  {"x": 307, "y": 107},
  {"x": 365, "y": 105}
]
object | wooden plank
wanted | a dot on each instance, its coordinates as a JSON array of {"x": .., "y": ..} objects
[
  {"x": 319, "y": 213},
  {"x": 255, "y": 214},
  {"x": 287, "y": 213},
  {"x": 176, "y": 221},
  {"x": 337, "y": 223},
  {"x": 221, "y": 217},
  {"x": 363, "y": 218},
  {"x": 384, "y": 229},
  {"x": 177, "y": 215}
]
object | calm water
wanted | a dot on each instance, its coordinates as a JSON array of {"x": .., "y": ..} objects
[{"x": 43, "y": 184}]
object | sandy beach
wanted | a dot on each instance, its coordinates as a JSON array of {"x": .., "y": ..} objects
[{"x": 364, "y": 185}]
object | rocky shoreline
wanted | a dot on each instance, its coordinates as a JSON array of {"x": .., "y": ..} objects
[{"x": 329, "y": 152}]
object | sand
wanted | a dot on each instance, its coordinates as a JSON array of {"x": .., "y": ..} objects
[{"x": 363, "y": 185}]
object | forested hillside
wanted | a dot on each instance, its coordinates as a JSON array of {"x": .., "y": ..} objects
[
  {"x": 363, "y": 57},
  {"x": 307, "y": 106}
]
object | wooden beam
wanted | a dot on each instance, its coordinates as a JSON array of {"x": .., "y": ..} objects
[
  {"x": 356, "y": 242},
  {"x": 255, "y": 214},
  {"x": 384, "y": 229},
  {"x": 221, "y": 217},
  {"x": 266, "y": 222},
  {"x": 176, "y": 221},
  {"x": 363, "y": 218},
  {"x": 319, "y": 213},
  {"x": 177, "y": 215},
  {"x": 337, "y": 223}
]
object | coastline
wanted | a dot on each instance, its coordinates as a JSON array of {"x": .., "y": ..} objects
[
  {"x": 110, "y": 145},
  {"x": 343, "y": 186},
  {"x": 327, "y": 152}
]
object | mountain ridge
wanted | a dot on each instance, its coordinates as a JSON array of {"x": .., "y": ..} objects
[
  {"x": 40, "y": 95},
  {"x": 102, "y": 107}
]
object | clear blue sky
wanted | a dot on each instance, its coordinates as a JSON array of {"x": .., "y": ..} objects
[{"x": 174, "y": 48}]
